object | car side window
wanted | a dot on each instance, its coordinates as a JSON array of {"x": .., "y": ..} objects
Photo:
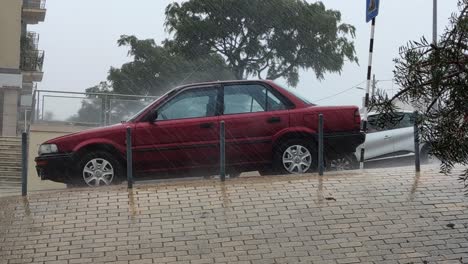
[
  {"x": 407, "y": 120},
  {"x": 377, "y": 123},
  {"x": 250, "y": 98},
  {"x": 193, "y": 103},
  {"x": 372, "y": 124},
  {"x": 240, "y": 99}
]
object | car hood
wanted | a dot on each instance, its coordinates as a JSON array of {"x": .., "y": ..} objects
[{"x": 94, "y": 132}]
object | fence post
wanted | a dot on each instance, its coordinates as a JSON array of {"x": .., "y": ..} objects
[
  {"x": 417, "y": 160},
  {"x": 320, "y": 145},
  {"x": 222, "y": 148},
  {"x": 129, "y": 158},
  {"x": 103, "y": 111},
  {"x": 24, "y": 164}
]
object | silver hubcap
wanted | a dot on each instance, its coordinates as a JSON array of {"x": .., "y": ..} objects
[
  {"x": 297, "y": 159},
  {"x": 98, "y": 172},
  {"x": 340, "y": 164}
]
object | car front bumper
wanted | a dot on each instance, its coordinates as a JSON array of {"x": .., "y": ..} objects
[{"x": 55, "y": 167}]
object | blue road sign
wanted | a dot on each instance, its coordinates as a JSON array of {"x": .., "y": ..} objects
[{"x": 372, "y": 9}]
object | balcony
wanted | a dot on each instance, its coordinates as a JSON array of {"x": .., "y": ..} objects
[
  {"x": 34, "y": 11},
  {"x": 30, "y": 41},
  {"x": 31, "y": 65}
]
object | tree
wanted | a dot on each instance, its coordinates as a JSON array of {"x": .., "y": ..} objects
[
  {"x": 263, "y": 38},
  {"x": 155, "y": 69},
  {"x": 434, "y": 78}
]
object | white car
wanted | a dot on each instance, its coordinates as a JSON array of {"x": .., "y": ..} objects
[{"x": 393, "y": 140}]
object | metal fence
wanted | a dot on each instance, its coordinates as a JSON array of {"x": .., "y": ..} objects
[
  {"x": 34, "y": 4},
  {"x": 86, "y": 109}
]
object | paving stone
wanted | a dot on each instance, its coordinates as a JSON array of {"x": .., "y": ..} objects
[{"x": 375, "y": 216}]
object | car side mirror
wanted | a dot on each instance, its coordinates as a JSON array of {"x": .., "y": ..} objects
[{"x": 153, "y": 116}]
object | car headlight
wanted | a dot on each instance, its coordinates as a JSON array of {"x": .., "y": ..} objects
[{"x": 47, "y": 149}]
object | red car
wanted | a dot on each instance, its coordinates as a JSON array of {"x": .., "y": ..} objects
[{"x": 268, "y": 128}]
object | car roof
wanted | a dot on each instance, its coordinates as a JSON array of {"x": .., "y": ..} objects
[
  {"x": 396, "y": 111},
  {"x": 220, "y": 82}
]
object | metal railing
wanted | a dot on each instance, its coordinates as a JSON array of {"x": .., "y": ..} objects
[
  {"x": 86, "y": 109},
  {"x": 32, "y": 60},
  {"x": 34, "y": 4},
  {"x": 32, "y": 39}
]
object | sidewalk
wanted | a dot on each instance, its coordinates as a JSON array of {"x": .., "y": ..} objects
[{"x": 379, "y": 216}]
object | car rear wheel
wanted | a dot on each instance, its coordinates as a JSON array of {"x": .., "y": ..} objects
[
  {"x": 343, "y": 162},
  {"x": 296, "y": 157},
  {"x": 426, "y": 156},
  {"x": 99, "y": 168}
]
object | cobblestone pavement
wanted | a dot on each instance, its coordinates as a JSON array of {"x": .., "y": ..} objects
[{"x": 379, "y": 216}]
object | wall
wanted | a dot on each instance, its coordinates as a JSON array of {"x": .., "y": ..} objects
[
  {"x": 10, "y": 112},
  {"x": 38, "y": 135},
  {"x": 10, "y": 33}
]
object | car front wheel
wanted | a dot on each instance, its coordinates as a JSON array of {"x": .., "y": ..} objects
[{"x": 99, "y": 168}]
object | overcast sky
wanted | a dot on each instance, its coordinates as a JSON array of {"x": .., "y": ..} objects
[{"x": 79, "y": 39}]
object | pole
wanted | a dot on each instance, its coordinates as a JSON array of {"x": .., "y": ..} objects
[
  {"x": 374, "y": 84},
  {"x": 24, "y": 164},
  {"x": 320, "y": 145},
  {"x": 366, "y": 100},
  {"x": 417, "y": 161},
  {"x": 25, "y": 120},
  {"x": 129, "y": 158},
  {"x": 434, "y": 23},
  {"x": 222, "y": 148}
]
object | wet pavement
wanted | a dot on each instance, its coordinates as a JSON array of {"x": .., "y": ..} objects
[{"x": 379, "y": 216}]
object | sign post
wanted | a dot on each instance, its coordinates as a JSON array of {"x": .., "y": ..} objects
[{"x": 372, "y": 10}]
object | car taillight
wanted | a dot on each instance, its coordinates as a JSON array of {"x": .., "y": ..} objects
[{"x": 357, "y": 118}]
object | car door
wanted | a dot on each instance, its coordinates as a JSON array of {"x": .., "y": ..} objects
[
  {"x": 403, "y": 135},
  {"x": 184, "y": 135},
  {"x": 253, "y": 113},
  {"x": 379, "y": 139}
]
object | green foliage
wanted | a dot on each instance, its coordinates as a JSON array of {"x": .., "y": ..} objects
[
  {"x": 434, "y": 79},
  {"x": 263, "y": 38},
  {"x": 155, "y": 69}
]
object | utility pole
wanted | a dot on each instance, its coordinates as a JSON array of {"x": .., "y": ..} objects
[
  {"x": 434, "y": 43},
  {"x": 434, "y": 23},
  {"x": 374, "y": 84}
]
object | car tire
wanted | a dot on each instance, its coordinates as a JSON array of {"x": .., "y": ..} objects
[
  {"x": 425, "y": 155},
  {"x": 343, "y": 162},
  {"x": 267, "y": 172},
  {"x": 295, "y": 156},
  {"x": 98, "y": 168},
  {"x": 234, "y": 174}
]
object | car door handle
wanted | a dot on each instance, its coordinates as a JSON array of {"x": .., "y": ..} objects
[
  {"x": 274, "y": 120},
  {"x": 387, "y": 137},
  {"x": 206, "y": 125}
]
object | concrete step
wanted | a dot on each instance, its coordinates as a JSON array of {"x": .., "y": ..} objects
[
  {"x": 10, "y": 139},
  {"x": 7, "y": 183},
  {"x": 11, "y": 152},
  {"x": 8, "y": 149},
  {"x": 10, "y": 161},
  {"x": 4, "y": 173},
  {"x": 10, "y": 180},
  {"x": 10, "y": 157},
  {"x": 10, "y": 191},
  {"x": 10, "y": 170}
]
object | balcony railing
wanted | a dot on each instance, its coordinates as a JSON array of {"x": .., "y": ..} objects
[
  {"x": 32, "y": 60},
  {"x": 34, "y": 4},
  {"x": 30, "y": 41}
]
